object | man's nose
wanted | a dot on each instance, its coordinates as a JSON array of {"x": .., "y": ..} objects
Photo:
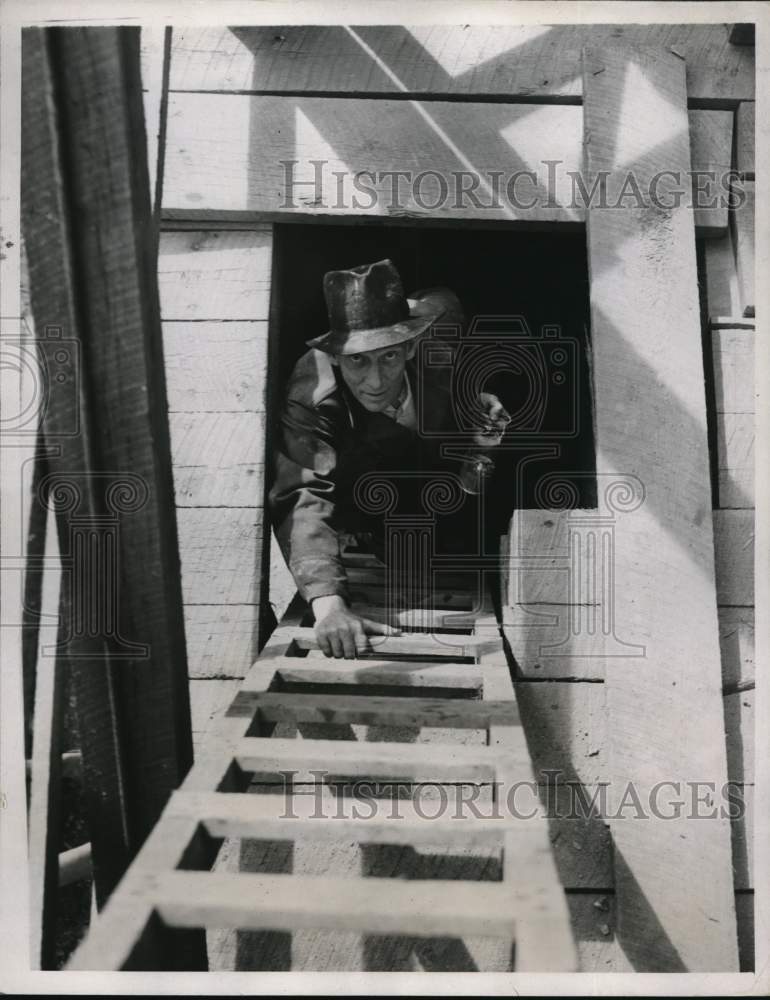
[{"x": 375, "y": 378}]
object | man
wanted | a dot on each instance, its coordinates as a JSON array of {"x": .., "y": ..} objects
[{"x": 355, "y": 403}]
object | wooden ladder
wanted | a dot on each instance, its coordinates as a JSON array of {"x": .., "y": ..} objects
[{"x": 451, "y": 674}]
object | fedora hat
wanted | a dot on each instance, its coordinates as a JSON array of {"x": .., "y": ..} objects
[{"x": 368, "y": 309}]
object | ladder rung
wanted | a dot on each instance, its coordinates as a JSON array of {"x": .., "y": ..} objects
[
  {"x": 283, "y": 706},
  {"x": 410, "y": 761},
  {"x": 367, "y": 905},
  {"x": 327, "y": 817},
  {"x": 437, "y": 644},
  {"x": 426, "y": 673}
]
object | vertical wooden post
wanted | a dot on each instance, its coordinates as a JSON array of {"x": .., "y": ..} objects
[
  {"x": 92, "y": 250},
  {"x": 673, "y": 875}
]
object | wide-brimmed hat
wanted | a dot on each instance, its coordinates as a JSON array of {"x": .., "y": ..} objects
[{"x": 368, "y": 309}]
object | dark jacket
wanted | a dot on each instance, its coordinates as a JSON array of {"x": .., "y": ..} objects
[{"x": 326, "y": 442}]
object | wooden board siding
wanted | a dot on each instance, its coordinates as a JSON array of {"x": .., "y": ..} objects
[
  {"x": 539, "y": 62},
  {"x": 257, "y": 156},
  {"x": 663, "y": 709},
  {"x": 215, "y": 290}
]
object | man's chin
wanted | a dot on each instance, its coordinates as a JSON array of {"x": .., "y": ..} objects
[{"x": 374, "y": 405}]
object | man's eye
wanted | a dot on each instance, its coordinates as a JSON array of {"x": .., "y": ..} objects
[{"x": 391, "y": 355}]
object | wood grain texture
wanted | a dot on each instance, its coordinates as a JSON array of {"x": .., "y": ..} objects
[
  {"x": 218, "y": 459},
  {"x": 566, "y": 729},
  {"x": 208, "y": 701},
  {"x": 219, "y": 552},
  {"x": 742, "y": 219},
  {"x": 551, "y": 641},
  {"x": 711, "y": 151},
  {"x": 544, "y": 561},
  {"x": 665, "y": 706},
  {"x": 722, "y": 289},
  {"x": 274, "y": 156},
  {"x": 744, "y": 908},
  {"x": 152, "y": 44},
  {"x": 214, "y": 366},
  {"x": 221, "y": 639},
  {"x": 92, "y": 257},
  {"x": 733, "y": 354},
  {"x": 736, "y": 638},
  {"x": 743, "y": 797},
  {"x": 733, "y": 361},
  {"x": 216, "y": 275},
  {"x": 739, "y": 724},
  {"x": 512, "y": 61},
  {"x": 45, "y": 815},
  {"x": 745, "y": 139},
  {"x": 734, "y": 556},
  {"x": 216, "y": 370},
  {"x": 239, "y": 164},
  {"x": 735, "y": 456}
]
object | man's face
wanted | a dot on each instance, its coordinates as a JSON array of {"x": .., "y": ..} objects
[{"x": 375, "y": 377}]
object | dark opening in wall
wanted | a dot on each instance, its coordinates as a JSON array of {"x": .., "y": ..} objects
[{"x": 528, "y": 288}]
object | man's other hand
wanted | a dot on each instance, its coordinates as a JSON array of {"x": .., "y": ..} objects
[
  {"x": 340, "y": 632},
  {"x": 493, "y": 419}
]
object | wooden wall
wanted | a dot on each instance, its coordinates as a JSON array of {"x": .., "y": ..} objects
[
  {"x": 227, "y": 96},
  {"x": 729, "y": 311}
]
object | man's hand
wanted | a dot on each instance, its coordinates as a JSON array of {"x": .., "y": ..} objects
[
  {"x": 494, "y": 418},
  {"x": 340, "y": 632}
]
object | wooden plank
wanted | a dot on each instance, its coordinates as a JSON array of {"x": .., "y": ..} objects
[
  {"x": 428, "y": 619},
  {"x": 154, "y": 96},
  {"x": 711, "y": 151},
  {"x": 44, "y": 820},
  {"x": 594, "y": 922},
  {"x": 742, "y": 797},
  {"x": 664, "y": 711},
  {"x": 215, "y": 275},
  {"x": 552, "y": 641},
  {"x": 743, "y": 236},
  {"x": 734, "y": 556},
  {"x": 221, "y": 639},
  {"x": 438, "y": 644},
  {"x": 218, "y": 459},
  {"x": 125, "y": 936},
  {"x": 227, "y": 171},
  {"x": 745, "y": 140},
  {"x": 735, "y": 457},
  {"x": 209, "y": 699},
  {"x": 736, "y": 639},
  {"x": 545, "y": 563},
  {"x": 408, "y": 762},
  {"x": 566, "y": 728},
  {"x": 739, "y": 726},
  {"x": 218, "y": 549},
  {"x": 513, "y": 61},
  {"x": 236, "y": 383},
  {"x": 733, "y": 355},
  {"x": 459, "y": 677},
  {"x": 733, "y": 359},
  {"x": 273, "y": 817},
  {"x": 744, "y": 908},
  {"x": 722, "y": 289},
  {"x": 279, "y": 902},
  {"x": 339, "y": 709},
  {"x": 78, "y": 277}
]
